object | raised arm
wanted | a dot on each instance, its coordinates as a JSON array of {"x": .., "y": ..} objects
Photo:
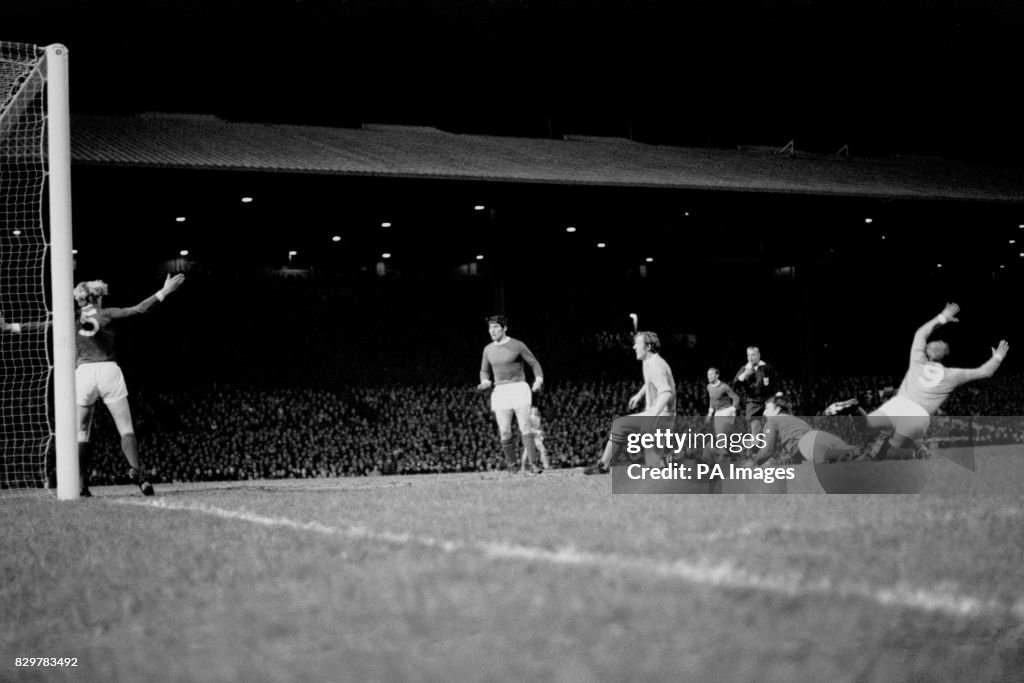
[
  {"x": 171, "y": 285},
  {"x": 986, "y": 369},
  {"x": 948, "y": 315}
]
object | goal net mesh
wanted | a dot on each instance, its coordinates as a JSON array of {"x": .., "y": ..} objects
[{"x": 26, "y": 432}]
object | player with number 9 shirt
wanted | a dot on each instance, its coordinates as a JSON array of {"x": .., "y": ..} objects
[{"x": 927, "y": 385}]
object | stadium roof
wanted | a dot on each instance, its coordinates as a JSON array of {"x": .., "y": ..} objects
[{"x": 206, "y": 142}]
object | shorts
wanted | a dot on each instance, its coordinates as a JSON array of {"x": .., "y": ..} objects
[
  {"x": 728, "y": 411},
  {"x": 99, "y": 380},
  {"x": 511, "y": 396},
  {"x": 908, "y": 418},
  {"x": 821, "y": 442}
]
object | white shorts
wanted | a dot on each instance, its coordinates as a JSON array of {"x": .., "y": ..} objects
[
  {"x": 99, "y": 380},
  {"x": 908, "y": 418},
  {"x": 728, "y": 411},
  {"x": 511, "y": 396}
]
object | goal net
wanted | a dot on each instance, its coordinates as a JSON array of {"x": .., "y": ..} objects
[{"x": 29, "y": 355}]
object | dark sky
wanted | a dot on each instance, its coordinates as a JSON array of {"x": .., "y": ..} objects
[{"x": 937, "y": 77}]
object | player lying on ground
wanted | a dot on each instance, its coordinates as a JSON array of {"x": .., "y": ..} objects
[
  {"x": 658, "y": 394},
  {"x": 926, "y": 386},
  {"x": 787, "y": 436}
]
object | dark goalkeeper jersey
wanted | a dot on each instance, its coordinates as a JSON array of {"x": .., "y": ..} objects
[{"x": 95, "y": 337}]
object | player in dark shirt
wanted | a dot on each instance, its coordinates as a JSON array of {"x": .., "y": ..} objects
[
  {"x": 757, "y": 382},
  {"x": 98, "y": 376},
  {"x": 504, "y": 358},
  {"x": 722, "y": 403}
]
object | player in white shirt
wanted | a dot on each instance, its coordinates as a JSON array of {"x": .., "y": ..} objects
[
  {"x": 927, "y": 384},
  {"x": 658, "y": 394}
]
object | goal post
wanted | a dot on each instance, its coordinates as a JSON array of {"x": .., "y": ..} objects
[
  {"x": 58, "y": 128},
  {"x": 37, "y": 344}
]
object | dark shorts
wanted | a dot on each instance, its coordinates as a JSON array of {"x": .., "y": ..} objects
[{"x": 754, "y": 409}]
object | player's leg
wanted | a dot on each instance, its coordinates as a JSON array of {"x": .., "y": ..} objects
[
  {"x": 85, "y": 414},
  {"x": 621, "y": 429},
  {"x": 530, "y": 445},
  {"x": 908, "y": 421},
  {"x": 503, "y": 416},
  {"x": 122, "y": 415},
  {"x": 86, "y": 393},
  {"x": 542, "y": 451},
  {"x": 755, "y": 417},
  {"x": 819, "y": 447},
  {"x": 724, "y": 421}
]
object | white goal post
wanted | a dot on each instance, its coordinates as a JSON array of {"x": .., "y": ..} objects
[{"x": 37, "y": 389}]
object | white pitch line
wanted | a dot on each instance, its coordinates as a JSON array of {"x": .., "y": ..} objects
[{"x": 714, "y": 574}]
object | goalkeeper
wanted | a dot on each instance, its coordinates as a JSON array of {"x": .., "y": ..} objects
[{"x": 97, "y": 374}]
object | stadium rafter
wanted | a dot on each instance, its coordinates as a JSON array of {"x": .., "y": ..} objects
[{"x": 209, "y": 143}]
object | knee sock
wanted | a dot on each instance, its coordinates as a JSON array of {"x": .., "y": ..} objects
[
  {"x": 84, "y": 463},
  {"x": 508, "y": 447},
  {"x": 131, "y": 449},
  {"x": 531, "y": 448}
]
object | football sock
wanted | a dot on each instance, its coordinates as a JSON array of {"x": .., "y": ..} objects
[
  {"x": 131, "y": 449},
  {"x": 531, "y": 448},
  {"x": 508, "y": 447},
  {"x": 84, "y": 463}
]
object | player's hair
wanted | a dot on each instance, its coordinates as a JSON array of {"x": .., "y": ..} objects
[
  {"x": 497, "y": 320},
  {"x": 714, "y": 368},
  {"x": 936, "y": 350},
  {"x": 753, "y": 348},
  {"x": 89, "y": 292},
  {"x": 781, "y": 402},
  {"x": 651, "y": 340}
]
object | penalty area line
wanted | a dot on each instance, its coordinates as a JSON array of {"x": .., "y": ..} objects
[{"x": 718, "y": 574}]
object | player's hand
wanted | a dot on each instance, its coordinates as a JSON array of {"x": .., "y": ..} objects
[
  {"x": 1001, "y": 350},
  {"x": 172, "y": 283},
  {"x": 950, "y": 312},
  {"x": 537, "y": 384},
  {"x": 634, "y": 401},
  {"x": 484, "y": 385}
]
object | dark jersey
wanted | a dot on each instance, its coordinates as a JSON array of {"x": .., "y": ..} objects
[
  {"x": 506, "y": 360},
  {"x": 720, "y": 395},
  {"x": 759, "y": 386},
  {"x": 782, "y": 437},
  {"x": 95, "y": 335}
]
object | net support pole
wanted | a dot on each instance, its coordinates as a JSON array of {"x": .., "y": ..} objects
[{"x": 58, "y": 128}]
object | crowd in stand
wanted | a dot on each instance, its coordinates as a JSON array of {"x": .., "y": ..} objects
[{"x": 230, "y": 432}]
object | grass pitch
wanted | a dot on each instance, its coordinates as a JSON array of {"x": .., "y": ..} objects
[{"x": 494, "y": 577}]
